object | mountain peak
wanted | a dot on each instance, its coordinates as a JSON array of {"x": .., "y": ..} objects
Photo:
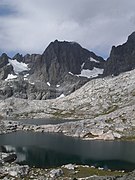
[
  {"x": 18, "y": 57},
  {"x": 64, "y": 44},
  {"x": 68, "y": 57},
  {"x": 131, "y": 38},
  {"x": 122, "y": 57}
]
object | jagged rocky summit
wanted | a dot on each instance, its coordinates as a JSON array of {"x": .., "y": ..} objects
[
  {"x": 60, "y": 70},
  {"x": 122, "y": 58}
]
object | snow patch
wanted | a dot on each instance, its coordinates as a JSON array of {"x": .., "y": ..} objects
[
  {"x": 32, "y": 83},
  {"x": 61, "y": 96},
  {"x": 48, "y": 84},
  {"x": 82, "y": 65},
  {"x": 18, "y": 66},
  {"x": 10, "y": 76},
  {"x": 70, "y": 73},
  {"x": 93, "y": 60},
  {"x": 91, "y": 73},
  {"x": 26, "y": 75}
]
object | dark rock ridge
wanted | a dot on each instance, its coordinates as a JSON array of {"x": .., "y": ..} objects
[
  {"x": 61, "y": 69},
  {"x": 3, "y": 60},
  {"x": 60, "y": 58},
  {"x": 58, "y": 71},
  {"x": 5, "y": 68},
  {"x": 122, "y": 58}
]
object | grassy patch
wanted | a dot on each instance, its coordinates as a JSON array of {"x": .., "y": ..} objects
[
  {"x": 128, "y": 138},
  {"x": 82, "y": 172},
  {"x": 79, "y": 172},
  {"x": 133, "y": 93},
  {"x": 63, "y": 114},
  {"x": 109, "y": 109}
]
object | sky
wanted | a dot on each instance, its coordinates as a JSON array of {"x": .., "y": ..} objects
[{"x": 28, "y": 26}]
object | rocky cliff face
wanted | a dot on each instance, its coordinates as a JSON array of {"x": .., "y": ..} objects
[
  {"x": 60, "y": 58},
  {"x": 60, "y": 70},
  {"x": 5, "y": 68},
  {"x": 122, "y": 58}
]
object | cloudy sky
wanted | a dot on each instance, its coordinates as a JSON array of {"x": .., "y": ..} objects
[{"x": 28, "y": 26}]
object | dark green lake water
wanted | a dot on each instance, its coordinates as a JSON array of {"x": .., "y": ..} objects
[
  {"x": 44, "y": 121},
  {"x": 52, "y": 150}
]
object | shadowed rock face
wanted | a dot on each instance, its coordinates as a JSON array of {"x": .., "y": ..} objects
[
  {"x": 59, "y": 69},
  {"x": 3, "y": 60},
  {"x": 60, "y": 58},
  {"x": 5, "y": 68},
  {"x": 122, "y": 58},
  {"x": 10, "y": 158},
  {"x": 51, "y": 74}
]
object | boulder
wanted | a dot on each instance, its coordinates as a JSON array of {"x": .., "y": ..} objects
[
  {"x": 18, "y": 171},
  {"x": 10, "y": 158},
  {"x": 55, "y": 173},
  {"x": 69, "y": 166}
]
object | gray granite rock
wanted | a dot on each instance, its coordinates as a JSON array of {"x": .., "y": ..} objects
[{"x": 122, "y": 58}]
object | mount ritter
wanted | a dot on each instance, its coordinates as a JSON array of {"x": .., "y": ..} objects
[{"x": 60, "y": 70}]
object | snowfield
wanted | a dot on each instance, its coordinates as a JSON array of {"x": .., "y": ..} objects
[
  {"x": 91, "y": 73},
  {"x": 10, "y": 76},
  {"x": 18, "y": 66},
  {"x": 61, "y": 96},
  {"x": 48, "y": 84},
  {"x": 93, "y": 60}
]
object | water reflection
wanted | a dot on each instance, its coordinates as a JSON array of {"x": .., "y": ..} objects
[{"x": 47, "y": 150}]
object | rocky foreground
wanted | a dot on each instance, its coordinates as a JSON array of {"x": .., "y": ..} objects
[
  {"x": 106, "y": 107},
  {"x": 13, "y": 171}
]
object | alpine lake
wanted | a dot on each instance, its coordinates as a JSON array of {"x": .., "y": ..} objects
[{"x": 47, "y": 150}]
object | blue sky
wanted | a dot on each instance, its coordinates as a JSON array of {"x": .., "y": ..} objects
[
  {"x": 28, "y": 26},
  {"x": 6, "y": 10}
]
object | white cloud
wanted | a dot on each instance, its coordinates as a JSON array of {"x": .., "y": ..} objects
[{"x": 95, "y": 24}]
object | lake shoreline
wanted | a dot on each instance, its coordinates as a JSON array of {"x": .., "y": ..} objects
[
  {"x": 13, "y": 126},
  {"x": 68, "y": 171},
  {"x": 85, "y": 129}
]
